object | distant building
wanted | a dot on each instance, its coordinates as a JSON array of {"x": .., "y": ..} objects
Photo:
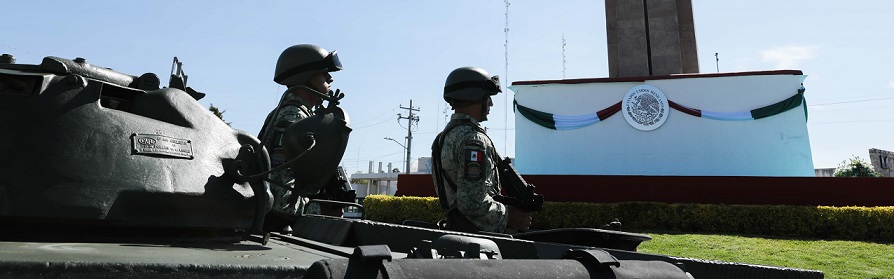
[
  {"x": 383, "y": 180},
  {"x": 882, "y": 161},
  {"x": 421, "y": 165},
  {"x": 378, "y": 182},
  {"x": 825, "y": 172}
]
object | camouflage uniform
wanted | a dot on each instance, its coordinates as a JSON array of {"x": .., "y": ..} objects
[
  {"x": 314, "y": 208},
  {"x": 469, "y": 160},
  {"x": 291, "y": 109}
]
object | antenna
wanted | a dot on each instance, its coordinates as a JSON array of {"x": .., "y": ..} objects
[
  {"x": 446, "y": 114},
  {"x": 717, "y": 57},
  {"x": 506, "y": 72},
  {"x": 563, "y": 55}
]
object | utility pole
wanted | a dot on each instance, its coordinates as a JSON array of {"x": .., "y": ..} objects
[{"x": 410, "y": 118}]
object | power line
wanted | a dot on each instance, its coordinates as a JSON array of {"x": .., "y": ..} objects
[
  {"x": 367, "y": 126},
  {"x": 374, "y": 117},
  {"x": 854, "y": 121},
  {"x": 848, "y": 102},
  {"x": 426, "y": 133},
  {"x": 863, "y": 108},
  {"x": 505, "y": 129},
  {"x": 415, "y": 126},
  {"x": 20, "y": 50},
  {"x": 372, "y": 157}
]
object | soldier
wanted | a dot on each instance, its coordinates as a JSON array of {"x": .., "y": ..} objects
[
  {"x": 304, "y": 69},
  {"x": 338, "y": 188},
  {"x": 465, "y": 159}
]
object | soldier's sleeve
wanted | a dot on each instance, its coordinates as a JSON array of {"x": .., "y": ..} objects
[
  {"x": 474, "y": 186},
  {"x": 313, "y": 208},
  {"x": 286, "y": 116},
  {"x": 282, "y": 180}
]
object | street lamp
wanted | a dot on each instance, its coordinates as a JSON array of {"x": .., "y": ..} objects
[{"x": 407, "y": 160}]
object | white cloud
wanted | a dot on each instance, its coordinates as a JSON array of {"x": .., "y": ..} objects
[
  {"x": 891, "y": 84},
  {"x": 789, "y": 57}
]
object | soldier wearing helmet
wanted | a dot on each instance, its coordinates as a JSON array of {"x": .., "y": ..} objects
[
  {"x": 304, "y": 70},
  {"x": 465, "y": 159}
]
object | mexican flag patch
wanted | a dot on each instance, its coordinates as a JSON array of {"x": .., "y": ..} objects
[{"x": 475, "y": 156}]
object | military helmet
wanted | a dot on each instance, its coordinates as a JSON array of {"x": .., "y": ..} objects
[
  {"x": 470, "y": 84},
  {"x": 298, "y": 63}
]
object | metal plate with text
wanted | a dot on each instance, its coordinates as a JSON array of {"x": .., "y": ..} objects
[{"x": 162, "y": 145}]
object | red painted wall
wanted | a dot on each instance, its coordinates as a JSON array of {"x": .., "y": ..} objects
[{"x": 831, "y": 191}]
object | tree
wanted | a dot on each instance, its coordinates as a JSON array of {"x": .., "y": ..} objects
[
  {"x": 359, "y": 181},
  {"x": 855, "y": 167},
  {"x": 218, "y": 113}
]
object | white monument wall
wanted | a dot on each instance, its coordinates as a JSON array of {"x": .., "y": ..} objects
[{"x": 684, "y": 145}]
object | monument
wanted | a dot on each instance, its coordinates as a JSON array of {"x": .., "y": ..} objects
[
  {"x": 650, "y": 38},
  {"x": 673, "y": 120}
]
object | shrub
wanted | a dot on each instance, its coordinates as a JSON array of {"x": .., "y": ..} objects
[
  {"x": 395, "y": 210},
  {"x": 822, "y": 222},
  {"x": 855, "y": 167}
]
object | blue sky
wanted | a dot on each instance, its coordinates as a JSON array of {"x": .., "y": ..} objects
[{"x": 395, "y": 51}]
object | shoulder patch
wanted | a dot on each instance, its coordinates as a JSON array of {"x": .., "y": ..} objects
[
  {"x": 473, "y": 161},
  {"x": 476, "y": 156},
  {"x": 473, "y": 171},
  {"x": 278, "y": 156},
  {"x": 474, "y": 142}
]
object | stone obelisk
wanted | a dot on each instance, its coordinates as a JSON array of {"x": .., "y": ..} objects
[{"x": 650, "y": 37}]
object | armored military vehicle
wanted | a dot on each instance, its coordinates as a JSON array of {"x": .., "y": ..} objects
[{"x": 109, "y": 175}]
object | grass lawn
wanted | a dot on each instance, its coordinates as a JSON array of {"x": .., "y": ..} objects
[{"x": 837, "y": 259}]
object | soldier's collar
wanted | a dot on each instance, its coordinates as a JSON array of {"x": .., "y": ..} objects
[
  {"x": 463, "y": 116},
  {"x": 295, "y": 98}
]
